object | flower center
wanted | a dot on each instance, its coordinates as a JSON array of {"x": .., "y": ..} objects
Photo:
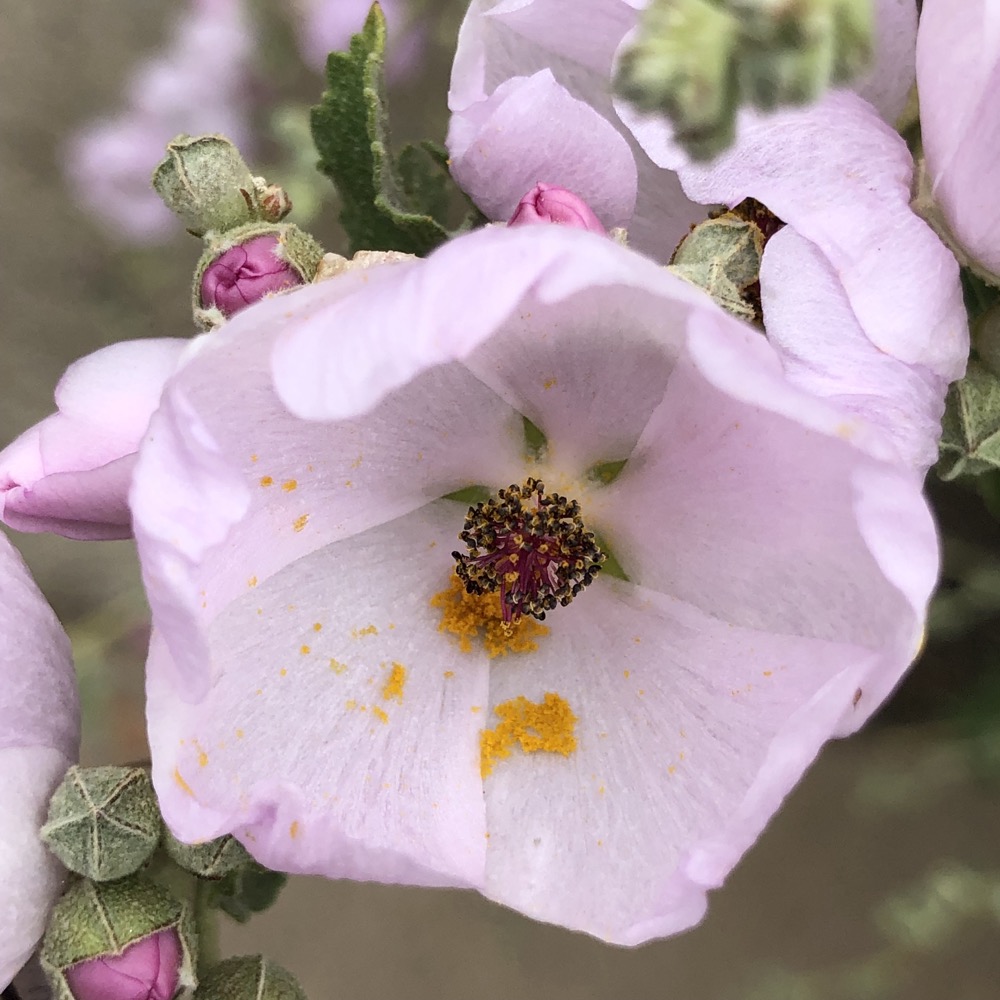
[{"x": 529, "y": 546}]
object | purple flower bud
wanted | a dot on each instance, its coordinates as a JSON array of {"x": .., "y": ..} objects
[
  {"x": 246, "y": 273},
  {"x": 548, "y": 203},
  {"x": 146, "y": 970}
]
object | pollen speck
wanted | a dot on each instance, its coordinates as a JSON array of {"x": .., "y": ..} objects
[
  {"x": 768, "y": 673},
  {"x": 547, "y": 726},
  {"x": 252, "y": 582},
  {"x": 549, "y": 382},
  {"x": 449, "y": 673},
  {"x": 300, "y": 522},
  {"x": 479, "y": 616},
  {"x": 336, "y": 666},
  {"x": 357, "y": 633},
  {"x": 627, "y": 674},
  {"x": 254, "y": 458},
  {"x": 356, "y": 464},
  {"x": 266, "y": 481},
  {"x": 475, "y": 708},
  {"x": 239, "y": 734},
  {"x": 317, "y": 626},
  {"x": 293, "y": 830},
  {"x": 393, "y": 688},
  {"x": 283, "y": 671},
  {"x": 305, "y": 650},
  {"x": 380, "y": 714},
  {"x": 290, "y": 484},
  {"x": 182, "y": 784},
  {"x": 202, "y": 758}
]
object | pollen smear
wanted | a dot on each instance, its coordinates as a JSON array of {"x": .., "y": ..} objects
[
  {"x": 471, "y": 617},
  {"x": 393, "y": 689},
  {"x": 549, "y": 725}
]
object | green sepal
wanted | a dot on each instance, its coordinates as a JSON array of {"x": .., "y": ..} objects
[
  {"x": 970, "y": 439},
  {"x": 213, "y": 859},
  {"x": 249, "y": 977},
  {"x": 103, "y": 822},
  {"x": 103, "y": 918},
  {"x": 387, "y": 202},
  {"x": 247, "y": 891}
]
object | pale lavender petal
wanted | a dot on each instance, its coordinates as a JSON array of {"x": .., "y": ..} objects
[
  {"x": 887, "y": 84},
  {"x": 39, "y": 740},
  {"x": 841, "y": 177},
  {"x": 531, "y": 129},
  {"x": 958, "y": 74},
  {"x": 824, "y": 350},
  {"x": 388, "y": 785},
  {"x": 624, "y": 837}
]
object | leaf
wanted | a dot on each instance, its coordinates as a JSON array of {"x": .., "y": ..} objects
[
  {"x": 388, "y": 203},
  {"x": 247, "y": 891},
  {"x": 970, "y": 440}
]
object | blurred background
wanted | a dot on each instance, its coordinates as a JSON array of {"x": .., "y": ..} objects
[{"x": 880, "y": 878}]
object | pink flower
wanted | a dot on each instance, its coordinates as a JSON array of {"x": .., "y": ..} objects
[
  {"x": 148, "y": 969},
  {"x": 859, "y": 296},
  {"x": 958, "y": 73},
  {"x": 246, "y": 273},
  {"x": 197, "y": 85},
  {"x": 39, "y": 739},
  {"x": 319, "y": 685},
  {"x": 70, "y": 473},
  {"x": 546, "y": 203}
]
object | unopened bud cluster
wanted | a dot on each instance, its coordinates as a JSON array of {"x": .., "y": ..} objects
[{"x": 249, "y": 252}]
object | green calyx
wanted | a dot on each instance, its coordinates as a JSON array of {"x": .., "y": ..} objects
[
  {"x": 699, "y": 61},
  {"x": 970, "y": 438},
  {"x": 103, "y": 822},
  {"x": 249, "y": 977},
  {"x": 95, "y": 919},
  {"x": 213, "y": 859},
  {"x": 388, "y": 202}
]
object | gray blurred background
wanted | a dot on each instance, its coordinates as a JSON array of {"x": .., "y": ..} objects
[{"x": 881, "y": 877}]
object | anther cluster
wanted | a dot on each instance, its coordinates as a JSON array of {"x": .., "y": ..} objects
[{"x": 536, "y": 556}]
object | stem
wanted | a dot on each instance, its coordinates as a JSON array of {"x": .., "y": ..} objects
[{"x": 206, "y": 924}]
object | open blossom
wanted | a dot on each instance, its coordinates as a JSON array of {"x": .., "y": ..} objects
[
  {"x": 730, "y": 571},
  {"x": 958, "y": 75},
  {"x": 860, "y": 298},
  {"x": 70, "y": 473},
  {"x": 39, "y": 739}
]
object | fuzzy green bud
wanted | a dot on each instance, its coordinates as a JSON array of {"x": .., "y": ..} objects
[
  {"x": 214, "y": 859},
  {"x": 103, "y": 822},
  {"x": 249, "y": 977},
  {"x": 699, "y": 61},
  {"x": 100, "y": 924},
  {"x": 242, "y": 265},
  {"x": 205, "y": 182},
  {"x": 722, "y": 256}
]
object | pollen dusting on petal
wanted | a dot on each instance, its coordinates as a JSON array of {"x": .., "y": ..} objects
[
  {"x": 357, "y": 633},
  {"x": 393, "y": 688},
  {"x": 479, "y": 616},
  {"x": 266, "y": 481},
  {"x": 380, "y": 714},
  {"x": 293, "y": 830},
  {"x": 182, "y": 784},
  {"x": 548, "y": 725},
  {"x": 300, "y": 522},
  {"x": 252, "y": 582},
  {"x": 290, "y": 484},
  {"x": 336, "y": 666}
]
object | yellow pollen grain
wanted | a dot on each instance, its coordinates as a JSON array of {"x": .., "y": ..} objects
[
  {"x": 336, "y": 666},
  {"x": 549, "y": 383},
  {"x": 266, "y": 481},
  {"x": 239, "y": 734},
  {"x": 305, "y": 650},
  {"x": 252, "y": 582},
  {"x": 768, "y": 673},
  {"x": 300, "y": 522},
  {"x": 356, "y": 464},
  {"x": 254, "y": 458},
  {"x": 202, "y": 758},
  {"x": 350, "y": 704},
  {"x": 627, "y": 674},
  {"x": 548, "y": 725},
  {"x": 357, "y": 633},
  {"x": 182, "y": 784},
  {"x": 449, "y": 673},
  {"x": 380, "y": 714},
  {"x": 477, "y": 616},
  {"x": 672, "y": 769},
  {"x": 317, "y": 626},
  {"x": 393, "y": 688},
  {"x": 290, "y": 484},
  {"x": 475, "y": 708},
  {"x": 283, "y": 671},
  {"x": 293, "y": 830}
]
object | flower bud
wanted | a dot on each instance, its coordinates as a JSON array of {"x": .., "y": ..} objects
[
  {"x": 275, "y": 203},
  {"x": 103, "y": 822},
  {"x": 205, "y": 182},
  {"x": 249, "y": 977},
  {"x": 549, "y": 203},
  {"x": 213, "y": 859},
  {"x": 119, "y": 940},
  {"x": 245, "y": 264}
]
